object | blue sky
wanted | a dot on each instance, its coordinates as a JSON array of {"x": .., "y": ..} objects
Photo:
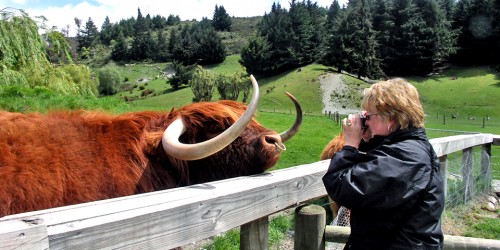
[{"x": 61, "y": 13}]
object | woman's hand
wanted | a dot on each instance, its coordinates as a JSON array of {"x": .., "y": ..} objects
[{"x": 351, "y": 128}]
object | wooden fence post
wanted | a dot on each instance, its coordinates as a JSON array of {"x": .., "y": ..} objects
[
  {"x": 443, "y": 162},
  {"x": 486, "y": 166},
  {"x": 310, "y": 223},
  {"x": 467, "y": 174},
  {"x": 254, "y": 234}
]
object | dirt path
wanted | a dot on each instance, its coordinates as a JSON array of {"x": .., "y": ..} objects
[{"x": 332, "y": 84}]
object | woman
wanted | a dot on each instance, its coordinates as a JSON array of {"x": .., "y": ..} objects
[{"x": 394, "y": 190}]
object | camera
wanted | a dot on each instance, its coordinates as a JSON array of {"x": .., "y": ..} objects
[{"x": 362, "y": 117}]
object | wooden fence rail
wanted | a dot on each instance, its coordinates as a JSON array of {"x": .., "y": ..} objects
[{"x": 176, "y": 217}]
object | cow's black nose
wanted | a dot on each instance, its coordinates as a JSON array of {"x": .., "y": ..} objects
[{"x": 275, "y": 141}]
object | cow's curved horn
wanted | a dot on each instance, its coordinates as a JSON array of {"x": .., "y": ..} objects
[
  {"x": 285, "y": 136},
  {"x": 173, "y": 147}
]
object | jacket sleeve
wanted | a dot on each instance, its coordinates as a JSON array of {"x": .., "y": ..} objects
[{"x": 386, "y": 177}]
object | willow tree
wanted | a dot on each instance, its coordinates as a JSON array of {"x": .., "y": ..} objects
[{"x": 24, "y": 61}]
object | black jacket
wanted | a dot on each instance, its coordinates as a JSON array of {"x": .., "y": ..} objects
[{"x": 394, "y": 192}]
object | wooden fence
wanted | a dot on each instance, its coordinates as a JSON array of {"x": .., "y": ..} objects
[{"x": 176, "y": 217}]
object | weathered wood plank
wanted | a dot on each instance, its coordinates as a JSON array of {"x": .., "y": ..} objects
[
  {"x": 176, "y": 217},
  {"x": 23, "y": 235},
  {"x": 450, "y": 144}
]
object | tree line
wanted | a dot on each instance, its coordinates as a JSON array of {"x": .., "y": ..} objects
[
  {"x": 369, "y": 38},
  {"x": 377, "y": 38}
]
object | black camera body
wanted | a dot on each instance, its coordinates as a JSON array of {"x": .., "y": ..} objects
[{"x": 362, "y": 117}]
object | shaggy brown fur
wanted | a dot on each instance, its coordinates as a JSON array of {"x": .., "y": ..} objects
[
  {"x": 65, "y": 158},
  {"x": 328, "y": 151}
]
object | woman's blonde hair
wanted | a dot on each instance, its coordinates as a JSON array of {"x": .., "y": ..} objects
[{"x": 397, "y": 100}]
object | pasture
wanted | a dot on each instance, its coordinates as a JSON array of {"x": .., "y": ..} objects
[{"x": 464, "y": 92}]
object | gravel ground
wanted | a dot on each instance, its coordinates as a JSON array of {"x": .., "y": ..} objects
[{"x": 331, "y": 84}]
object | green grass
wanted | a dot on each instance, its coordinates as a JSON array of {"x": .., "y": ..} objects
[{"x": 463, "y": 91}]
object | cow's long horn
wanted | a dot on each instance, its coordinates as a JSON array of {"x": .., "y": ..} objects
[
  {"x": 285, "y": 136},
  {"x": 173, "y": 147}
]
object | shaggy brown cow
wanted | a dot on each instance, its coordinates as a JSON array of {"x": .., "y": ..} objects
[
  {"x": 328, "y": 151},
  {"x": 65, "y": 158}
]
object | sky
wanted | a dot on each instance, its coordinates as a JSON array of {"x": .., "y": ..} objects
[{"x": 61, "y": 13}]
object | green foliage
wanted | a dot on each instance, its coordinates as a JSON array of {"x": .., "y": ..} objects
[
  {"x": 86, "y": 37},
  {"x": 255, "y": 55},
  {"x": 486, "y": 228},
  {"x": 109, "y": 81},
  {"x": 23, "y": 61},
  {"x": 285, "y": 39},
  {"x": 359, "y": 41},
  {"x": 278, "y": 229},
  {"x": 229, "y": 85},
  {"x": 182, "y": 76},
  {"x": 221, "y": 20},
  {"x": 58, "y": 49},
  {"x": 230, "y": 240},
  {"x": 202, "y": 84},
  {"x": 83, "y": 78},
  {"x": 120, "y": 49},
  {"x": 16, "y": 98}
]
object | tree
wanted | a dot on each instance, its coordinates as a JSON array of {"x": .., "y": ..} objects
[
  {"x": 120, "y": 49},
  {"x": 229, "y": 85},
  {"x": 476, "y": 41},
  {"x": 58, "y": 49},
  {"x": 382, "y": 24},
  {"x": 161, "y": 53},
  {"x": 86, "y": 37},
  {"x": 221, "y": 21},
  {"x": 23, "y": 61},
  {"x": 404, "y": 48},
  {"x": 182, "y": 76},
  {"x": 255, "y": 56},
  {"x": 276, "y": 28},
  {"x": 360, "y": 43},
  {"x": 202, "y": 84},
  {"x": 109, "y": 81},
  {"x": 335, "y": 53},
  {"x": 301, "y": 45},
  {"x": 106, "y": 33},
  {"x": 211, "y": 49}
]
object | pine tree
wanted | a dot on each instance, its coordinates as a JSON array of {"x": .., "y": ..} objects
[
  {"x": 301, "y": 45},
  {"x": 334, "y": 54},
  {"x": 221, "y": 20},
  {"x": 106, "y": 33},
  {"x": 403, "y": 47},
  {"x": 211, "y": 49},
  {"x": 140, "y": 45},
  {"x": 277, "y": 30},
  {"x": 120, "y": 49},
  {"x": 161, "y": 52},
  {"x": 382, "y": 24},
  {"x": 474, "y": 19},
  {"x": 86, "y": 36},
  {"x": 360, "y": 44},
  {"x": 255, "y": 56}
]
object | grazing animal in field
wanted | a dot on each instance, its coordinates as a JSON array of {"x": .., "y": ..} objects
[{"x": 71, "y": 157}]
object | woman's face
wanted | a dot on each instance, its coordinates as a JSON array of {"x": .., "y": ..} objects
[{"x": 377, "y": 124}]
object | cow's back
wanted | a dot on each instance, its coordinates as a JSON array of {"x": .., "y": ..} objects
[{"x": 69, "y": 157}]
